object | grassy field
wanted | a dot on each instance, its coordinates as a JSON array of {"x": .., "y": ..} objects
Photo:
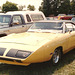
[{"x": 65, "y": 67}]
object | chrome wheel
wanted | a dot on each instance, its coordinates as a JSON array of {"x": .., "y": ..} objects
[{"x": 56, "y": 56}]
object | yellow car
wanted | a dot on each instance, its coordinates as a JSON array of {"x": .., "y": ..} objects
[{"x": 44, "y": 40}]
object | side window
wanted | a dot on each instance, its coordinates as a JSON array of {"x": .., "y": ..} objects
[
  {"x": 17, "y": 19},
  {"x": 28, "y": 18},
  {"x": 69, "y": 26}
]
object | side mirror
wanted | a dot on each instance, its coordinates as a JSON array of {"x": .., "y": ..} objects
[{"x": 15, "y": 22}]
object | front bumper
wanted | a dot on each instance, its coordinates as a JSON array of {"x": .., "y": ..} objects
[
  {"x": 13, "y": 61},
  {"x": 9, "y": 56}
]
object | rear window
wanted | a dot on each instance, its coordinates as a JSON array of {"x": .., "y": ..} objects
[{"x": 37, "y": 17}]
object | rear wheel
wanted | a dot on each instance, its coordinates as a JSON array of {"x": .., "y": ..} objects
[{"x": 56, "y": 56}]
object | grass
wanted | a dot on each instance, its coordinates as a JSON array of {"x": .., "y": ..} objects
[{"x": 65, "y": 67}]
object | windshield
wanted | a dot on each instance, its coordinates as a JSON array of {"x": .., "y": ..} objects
[
  {"x": 37, "y": 17},
  {"x": 48, "y": 25},
  {"x": 5, "y": 19}
]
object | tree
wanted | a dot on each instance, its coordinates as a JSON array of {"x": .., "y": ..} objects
[
  {"x": 49, "y": 7},
  {"x": 45, "y": 7},
  {"x": 21, "y": 7},
  {"x": 31, "y": 7},
  {"x": 0, "y": 7},
  {"x": 9, "y": 6},
  {"x": 64, "y": 6},
  {"x": 40, "y": 8},
  {"x": 73, "y": 6},
  {"x": 55, "y": 7}
]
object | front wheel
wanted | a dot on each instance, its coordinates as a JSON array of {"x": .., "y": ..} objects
[{"x": 56, "y": 56}]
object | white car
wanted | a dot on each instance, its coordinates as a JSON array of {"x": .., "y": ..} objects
[{"x": 18, "y": 21}]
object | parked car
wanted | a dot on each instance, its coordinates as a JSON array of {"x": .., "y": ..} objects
[
  {"x": 64, "y": 17},
  {"x": 18, "y": 21},
  {"x": 44, "y": 41},
  {"x": 52, "y": 18},
  {"x": 73, "y": 19}
]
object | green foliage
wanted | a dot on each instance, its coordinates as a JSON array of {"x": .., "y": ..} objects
[
  {"x": 45, "y": 7},
  {"x": 0, "y": 7},
  {"x": 9, "y": 6},
  {"x": 49, "y": 7},
  {"x": 53, "y": 6},
  {"x": 65, "y": 7},
  {"x": 31, "y": 7},
  {"x": 73, "y": 6}
]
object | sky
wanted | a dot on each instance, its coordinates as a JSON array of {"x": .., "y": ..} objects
[{"x": 36, "y": 3}]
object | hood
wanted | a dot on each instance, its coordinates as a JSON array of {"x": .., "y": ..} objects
[
  {"x": 26, "y": 41},
  {"x": 29, "y": 38}
]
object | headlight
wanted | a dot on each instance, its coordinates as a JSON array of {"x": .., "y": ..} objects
[{"x": 22, "y": 54}]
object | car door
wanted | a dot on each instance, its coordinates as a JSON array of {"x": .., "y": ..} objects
[
  {"x": 70, "y": 27},
  {"x": 17, "y": 24}
]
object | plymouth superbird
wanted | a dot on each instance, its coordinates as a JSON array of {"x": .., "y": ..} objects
[{"x": 44, "y": 41}]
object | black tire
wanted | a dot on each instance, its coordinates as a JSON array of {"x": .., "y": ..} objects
[{"x": 56, "y": 56}]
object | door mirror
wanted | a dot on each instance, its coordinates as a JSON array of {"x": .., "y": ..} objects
[{"x": 15, "y": 22}]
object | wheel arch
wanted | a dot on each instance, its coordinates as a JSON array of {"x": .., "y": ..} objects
[
  {"x": 58, "y": 48},
  {"x": 61, "y": 48}
]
